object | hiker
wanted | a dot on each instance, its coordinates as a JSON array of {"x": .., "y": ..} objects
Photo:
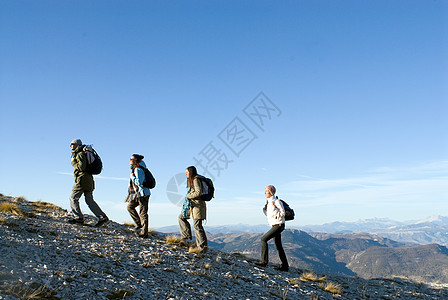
[
  {"x": 138, "y": 195},
  {"x": 275, "y": 213},
  {"x": 84, "y": 184},
  {"x": 193, "y": 208}
]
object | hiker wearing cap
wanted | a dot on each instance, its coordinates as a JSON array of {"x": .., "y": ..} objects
[
  {"x": 138, "y": 195},
  {"x": 275, "y": 213},
  {"x": 193, "y": 208},
  {"x": 84, "y": 184}
]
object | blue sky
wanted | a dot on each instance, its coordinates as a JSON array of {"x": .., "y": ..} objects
[{"x": 356, "y": 93}]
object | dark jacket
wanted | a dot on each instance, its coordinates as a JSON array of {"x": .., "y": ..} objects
[{"x": 83, "y": 180}]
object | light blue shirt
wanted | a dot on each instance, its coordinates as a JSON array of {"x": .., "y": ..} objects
[{"x": 138, "y": 180}]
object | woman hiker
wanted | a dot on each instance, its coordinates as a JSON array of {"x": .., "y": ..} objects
[
  {"x": 138, "y": 195},
  {"x": 194, "y": 208},
  {"x": 276, "y": 219}
]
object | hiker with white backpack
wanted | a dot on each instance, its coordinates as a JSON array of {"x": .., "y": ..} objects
[
  {"x": 83, "y": 168},
  {"x": 141, "y": 181}
]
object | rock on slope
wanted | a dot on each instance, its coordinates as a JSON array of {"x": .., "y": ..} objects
[{"x": 42, "y": 256}]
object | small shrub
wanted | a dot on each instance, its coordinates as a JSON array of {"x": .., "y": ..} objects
[
  {"x": 333, "y": 288},
  {"x": 32, "y": 291},
  {"x": 294, "y": 281},
  {"x": 20, "y": 199},
  {"x": 11, "y": 208},
  {"x": 309, "y": 276},
  {"x": 174, "y": 240},
  {"x": 40, "y": 206}
]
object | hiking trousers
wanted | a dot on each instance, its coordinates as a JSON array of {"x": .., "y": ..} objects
[
  {"x": 199, "y": 232},
  {"x": 276, "y": 233},
  {"x": 141, "y": 219},
  {"x": 93, "y": 206}
]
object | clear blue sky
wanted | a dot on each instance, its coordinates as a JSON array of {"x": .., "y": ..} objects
[{"x": 360, "y": 128}]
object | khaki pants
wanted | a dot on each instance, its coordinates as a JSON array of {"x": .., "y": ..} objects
[
  {"x": 141, "y": 219},
  {"x": 199, "y": 232}
]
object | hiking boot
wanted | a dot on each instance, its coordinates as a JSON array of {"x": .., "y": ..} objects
[
  {"x": 102, "y": 221},
  {"x": 76, "y": 221},
  {"x": 141, "y": 235},
  {"x": 137, "y": 228},
  {"x": 282, "y": 268},
  {"x": 261, "y": 264}
]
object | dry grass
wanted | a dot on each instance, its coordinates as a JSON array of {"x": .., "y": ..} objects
[
  {"x": 309, "y": 276},
  {"x": 20, "y": 199},
  {"x": 129, "y": 224},
  {"x": 40, "y": 206},
  {"x": 33, "y": 291},
  {"x": 333, "y": 288},
  {"x": 294, "y": 281},
  {"x": 207, "y": 266},
  {"x": 175, "y": 240},
  {"x": 11, "y": 208}
]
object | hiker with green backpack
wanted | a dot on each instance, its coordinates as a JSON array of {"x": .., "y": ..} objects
[{"x": 141, "y": 181}]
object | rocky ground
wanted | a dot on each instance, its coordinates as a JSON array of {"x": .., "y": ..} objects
[{"x": 42, "y": 256}]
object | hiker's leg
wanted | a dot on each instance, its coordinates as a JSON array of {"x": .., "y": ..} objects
[
  {"x": 278, "y": 245},
  {"x": 94, "y": 206},
  {"x": 264, "y": 244},
  {"x": 144, "y": 219},
  {"x": 74, "y": 204},
  {"x": 199, "y": 232},
  {"x": 185, "y": 229},
  {"x": 134, "y": 215}
]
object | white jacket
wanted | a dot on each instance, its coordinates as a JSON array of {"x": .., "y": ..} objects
[{"x": 275, "y": 211}]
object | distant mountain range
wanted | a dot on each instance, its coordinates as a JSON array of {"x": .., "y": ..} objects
[
  {"x": 422, "y": 232},
  {"x": 427, "y": 231}
]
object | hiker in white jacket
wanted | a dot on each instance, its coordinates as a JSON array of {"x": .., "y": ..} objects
[{"x": 276, "y": 219}]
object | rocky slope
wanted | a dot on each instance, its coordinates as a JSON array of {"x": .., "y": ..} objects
[{"x": 42, "y": 256}]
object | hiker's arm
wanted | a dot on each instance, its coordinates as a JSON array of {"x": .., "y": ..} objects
[{"x": 195, "y": 192}]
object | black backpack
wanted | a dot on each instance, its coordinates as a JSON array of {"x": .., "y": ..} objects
[
  {"x": 208, "y": 190},
  {"x": 94, "y": 163},
  {"x": 289, "y": 212},
  {"x": 150, "y": 181}
]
